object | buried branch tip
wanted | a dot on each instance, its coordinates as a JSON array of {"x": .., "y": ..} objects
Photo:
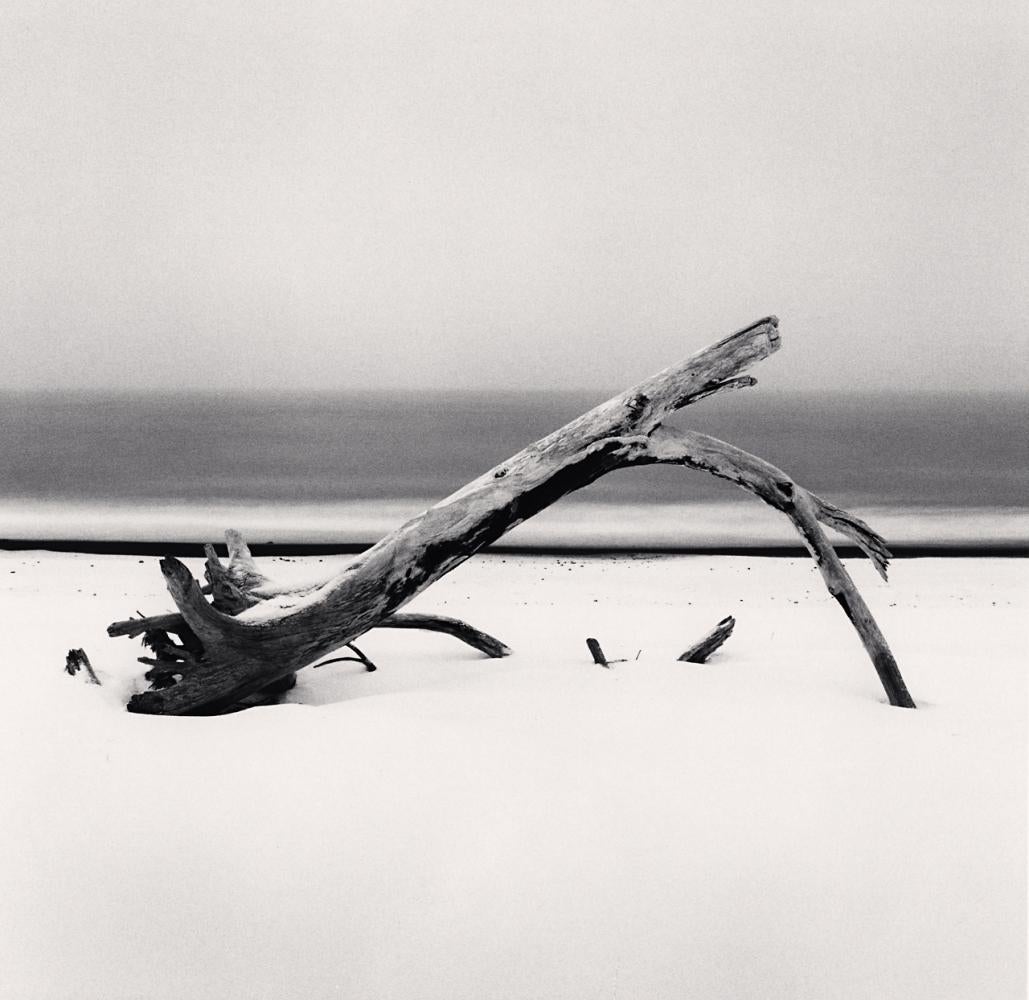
[
  {"x": 700, "y": 651},
  {"x": 597, "y": 653}
]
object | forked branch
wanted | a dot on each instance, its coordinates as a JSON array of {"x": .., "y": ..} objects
[{"x": 256, "y": 633}]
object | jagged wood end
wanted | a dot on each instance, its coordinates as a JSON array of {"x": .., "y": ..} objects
[
  {"x": 571, "y": 456},
  {"x": 214, "y": 571},
  {"x": 132, "y": 627},
  {"x": 215, "y": 574},
  {"x": 239, "y": 551},
  {"x": 242, "y": 566},
  {"x": 867, "y": 539},
  {"x": 231, "y": 586},
  {"x": 719, "y": 367}
]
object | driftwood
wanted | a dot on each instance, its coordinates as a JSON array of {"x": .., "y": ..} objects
[
  {"x": 255, "y": 633},
  {"x": 600, "y": 657},
  {"x": 597, "y": 653},
  {"x": 700, "y": 651},
  {"x": 173, "y": 659},
  {"x": 77, "y": 660}
]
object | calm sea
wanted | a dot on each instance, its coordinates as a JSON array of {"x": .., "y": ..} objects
[{"x": 322, "y": 466}]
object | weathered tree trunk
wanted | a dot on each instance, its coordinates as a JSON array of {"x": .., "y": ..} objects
[{"x": 271, "y": 632}]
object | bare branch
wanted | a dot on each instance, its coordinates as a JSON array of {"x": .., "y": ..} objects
[
  {"x": 286, "y": 629},
  {"x": 451, "y": 626}
]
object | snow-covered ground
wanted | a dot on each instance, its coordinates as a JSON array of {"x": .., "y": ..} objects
[{"x": 761, "y": 826}]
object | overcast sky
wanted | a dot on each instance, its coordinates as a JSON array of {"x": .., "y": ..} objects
[{"x": 374, "y": 194}]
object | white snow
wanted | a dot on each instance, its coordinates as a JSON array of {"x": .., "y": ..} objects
[{"x": 761, "y": 826}]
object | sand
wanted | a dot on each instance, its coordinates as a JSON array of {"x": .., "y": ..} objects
[{"x": 761, "y": 826}]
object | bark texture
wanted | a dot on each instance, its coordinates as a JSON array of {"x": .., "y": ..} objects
[{"x": 253, "y": 633}]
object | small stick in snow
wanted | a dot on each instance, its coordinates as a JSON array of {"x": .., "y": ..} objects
[
  {"x": 598, "y": 654},
  {"x": 699, "y": 652},
  {"x": 76, "y": 660}
]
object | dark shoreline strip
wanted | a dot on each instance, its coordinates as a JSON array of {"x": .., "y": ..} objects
[{"x": 1001, "y": 549}]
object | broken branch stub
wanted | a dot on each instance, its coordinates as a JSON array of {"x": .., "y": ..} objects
[
  {"x": 700, "y": 651},
  {"x": 597, "y": 653},
  {"x": 77, "y": 660},
  {"x": 281, "y": 631}
]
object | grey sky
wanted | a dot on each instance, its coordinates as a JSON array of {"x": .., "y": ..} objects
[{"x": 459, "y": 194}]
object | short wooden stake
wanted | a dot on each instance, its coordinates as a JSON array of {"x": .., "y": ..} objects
[{"x": 598, "y": 654}]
